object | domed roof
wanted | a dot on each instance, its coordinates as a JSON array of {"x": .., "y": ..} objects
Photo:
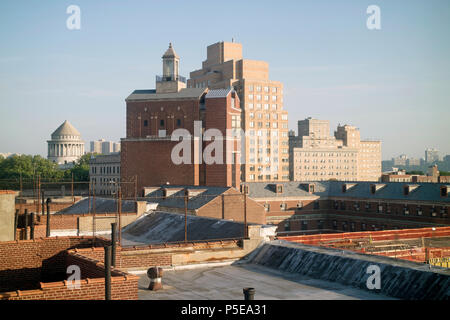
[
  {"x": 170, "y": 53},
  {"x": 66, "y": 129}
]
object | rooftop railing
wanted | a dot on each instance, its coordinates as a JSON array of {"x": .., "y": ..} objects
[{"x": 170, "y": 78}]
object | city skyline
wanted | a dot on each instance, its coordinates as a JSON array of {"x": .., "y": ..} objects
[{"x": 331, "y": 65}]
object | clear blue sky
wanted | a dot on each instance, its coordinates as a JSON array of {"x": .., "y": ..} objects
[{"x": 393, "y": 83}]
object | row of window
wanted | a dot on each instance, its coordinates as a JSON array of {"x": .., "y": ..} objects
[
  {"x": 105, "y": 170},
  {"x": 259, "y": 106},
  {"x": 387, "y": 208},
  {"x": 265, "y": 88},
  {"x": 268, "y": 177}
]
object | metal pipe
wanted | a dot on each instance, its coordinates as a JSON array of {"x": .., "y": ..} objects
[
  {"x": 16, "y": 220},
  {"x": 43, "y": 202},
  {"x": 249, "y": 293},
  {"x": 185, "y": 216},
  {"x": 32, "y": 226},
  {"x": 73, "y": 197},
  {"x": 108, "y": 273},
  {"x": 119, "y": 206},
  {"x": 113, "y": 243},
  {"x": 245, "y": 216},
  {"x": 26, "y": 224},
  {"x": 47, "y": 233}
]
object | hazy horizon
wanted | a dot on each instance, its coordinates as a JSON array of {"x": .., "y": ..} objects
[{"x": 391, "y": 83}]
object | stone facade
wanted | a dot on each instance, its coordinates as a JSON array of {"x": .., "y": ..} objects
[
  {"x": 317, "y": 156},
  {"x": 65, "y": 146},
  {"x": 104, "y": 173}
]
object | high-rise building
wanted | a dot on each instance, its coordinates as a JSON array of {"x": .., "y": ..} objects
[
  {"x": 431, "y": 155},
  {"x": 264, "y": 121},
  {"x": 105, "y": 147},
  {"x": 401, "y": 160},
  {"x": 317, "y": 156}
]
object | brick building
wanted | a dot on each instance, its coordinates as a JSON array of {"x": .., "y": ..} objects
[
  {"x": 214, "y": 202},
  {"x": 335, "y": 206},
  {"x": 159, "y": 120}
]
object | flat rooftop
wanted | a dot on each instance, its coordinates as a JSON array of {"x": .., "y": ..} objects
[{"x": 227, "y": 282}]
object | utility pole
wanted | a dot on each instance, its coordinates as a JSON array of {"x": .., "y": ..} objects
[{"x": 186, "y": 196}]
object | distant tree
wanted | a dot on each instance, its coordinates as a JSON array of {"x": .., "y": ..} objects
[
  {"x": 28, "y": 167},
  {"x": 415, "y": 172},
  {"x": 80, "y": 170},
  {"x": 444, "y": 173}
]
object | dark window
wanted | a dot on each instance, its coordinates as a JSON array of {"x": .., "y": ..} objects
[
  {"x": 344, "y": 226},
  {"x": 316, "y": 205},
  {"x": 304, "y": 225},
  {"x": 178, "y": 122},
  {"x": 334, "y": 225},
  {"x": 320, "y": 225},
  {"x": 287, "y": 226},
  {"x": 363, "y": 226},
  {"x": 145, "y": 123},
  {"x": 161, "y": 123},
  {"x": 352, "y": 227}
]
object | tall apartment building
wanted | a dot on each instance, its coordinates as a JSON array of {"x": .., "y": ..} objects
[
  {"x": 104, "y": 173},
  {"x": 264, "y": 121},
  {"x": 431, "y": 155},
  {"x": 105, "y": 147},
  {"x": 317, "y": 156},
  {"x": 153, "y": 116}
]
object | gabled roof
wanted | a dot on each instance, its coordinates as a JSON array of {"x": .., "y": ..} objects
[
  {"x": 430, "y": 192},
  {"x": 218, "y": 93},
  {"x": 290, "y": 189},
  {"x": 176, "y": 199}
]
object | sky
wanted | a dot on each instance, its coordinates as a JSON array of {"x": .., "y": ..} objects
[{"x": 392, "y": 83}]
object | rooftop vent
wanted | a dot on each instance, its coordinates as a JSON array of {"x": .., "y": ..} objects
[
  {"x": 147, "y": 191},
  {"x": 444, "y": 191},
  {"x": 308, "y": 187},
  {"x": 375, "y": 187},
  {"x": 347, "y": 186},
  {"x": 170, "y": 191},
  {"x": 407, "y": 189},
  {"x": 194, "y": 192},
  {"x": 277, "y": 188}
]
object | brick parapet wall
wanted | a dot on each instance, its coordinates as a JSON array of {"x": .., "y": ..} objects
[{"x": 50, "y": 255}]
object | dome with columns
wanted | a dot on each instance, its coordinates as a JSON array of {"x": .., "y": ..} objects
[{"x": 65, "y": 145}]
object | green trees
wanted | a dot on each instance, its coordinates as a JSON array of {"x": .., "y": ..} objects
[{"x": 29, "y": 166}]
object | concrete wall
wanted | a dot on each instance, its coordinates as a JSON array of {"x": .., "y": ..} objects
[{"x": 7, "y": 212}]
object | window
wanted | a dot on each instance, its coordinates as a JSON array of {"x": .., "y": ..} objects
[
  {"x": 283, "y": 206},
  {"x": 161, "y": 123},
  {"x": 320, "y": 225},
  {"x": 304, "y": 225},
  {"x": 316, "y": 205},
  {"x": 145, "y": 123},
  {"x": 178, "y": 122},
  {"x": 236, "y": 121}
]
